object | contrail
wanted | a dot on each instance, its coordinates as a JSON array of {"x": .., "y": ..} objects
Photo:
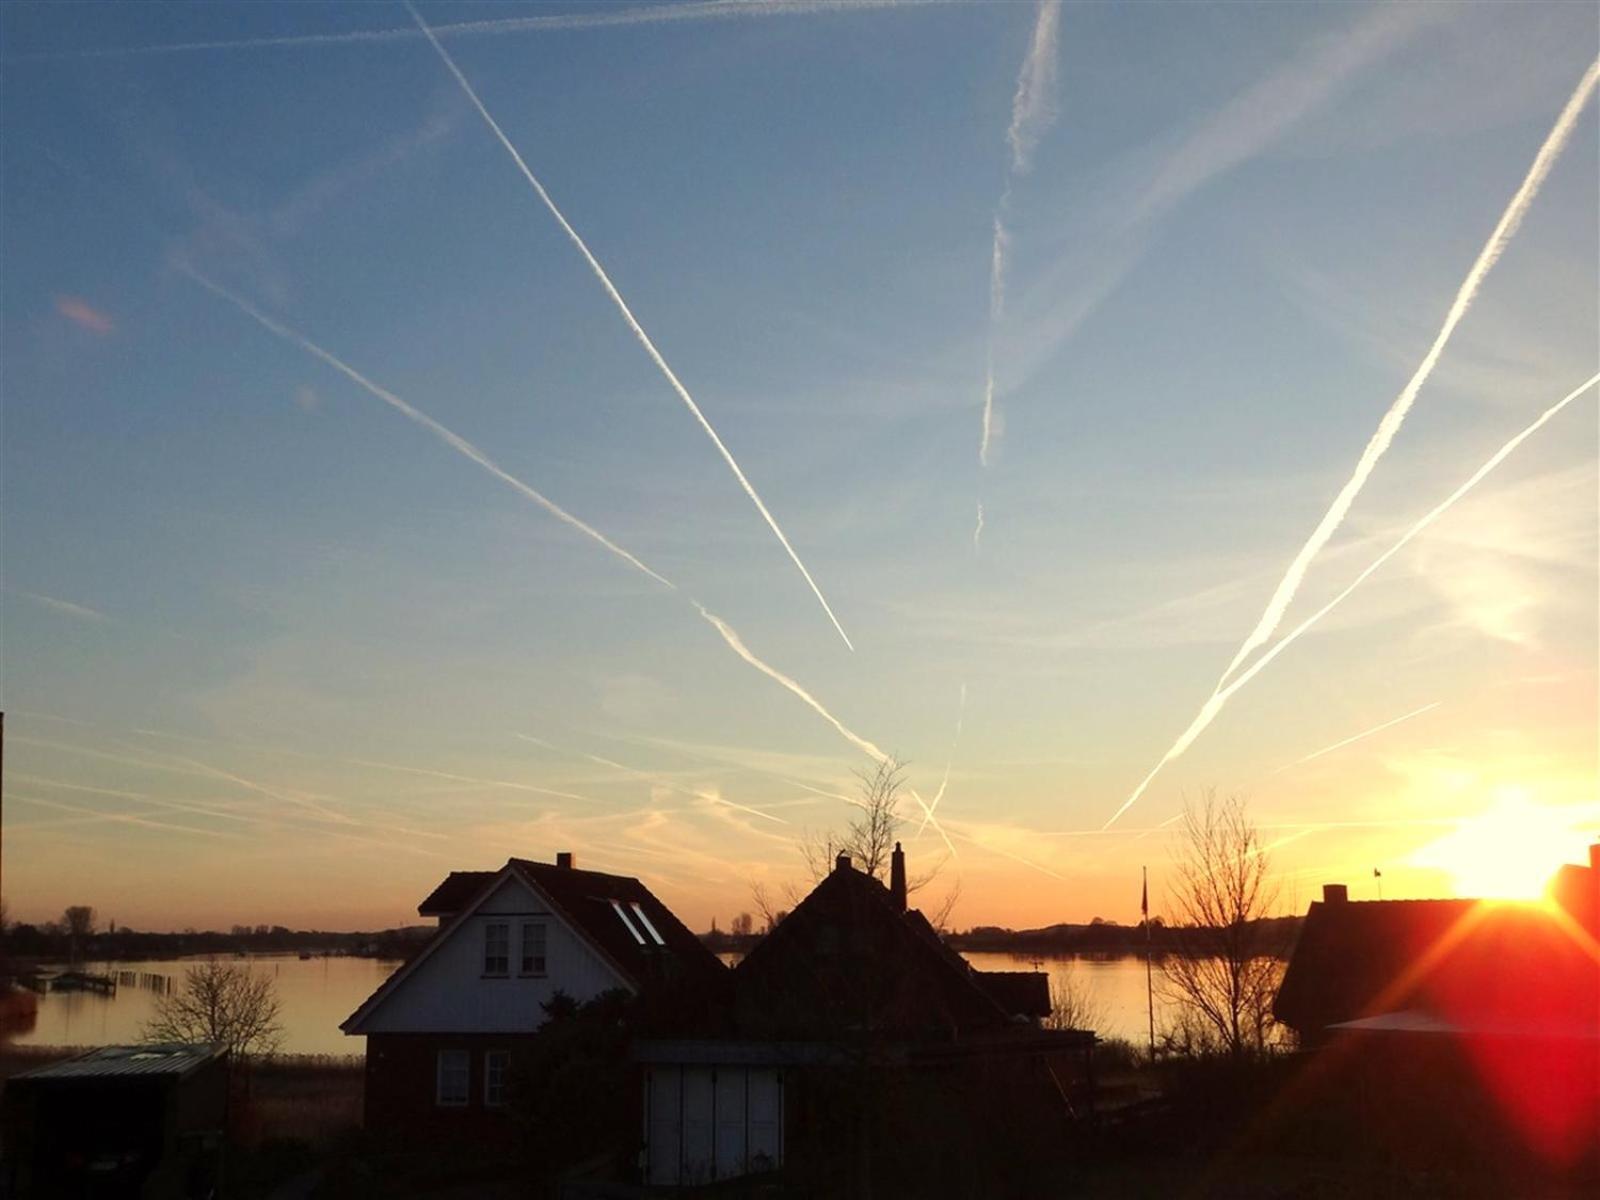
[
  {"x": 285, "y": 797},
  {"x": 472, "y": 779},
  {"x": 454, "y": 440},
  {"x": 661, "y": 14},
  {"x": 1033, "y": 110},
  {"x": 1214, "y": 705},
  {"x": 653, "y": 779},
  {"x": 1027, "y": 862},
  {"x": 627, "y": 315},
  {"x": 124, "y": 818},
  {"x": 1033, "y": 107},
  {"x": 927, "y": 815},
  {"x": 744, "y": 652},
  {"x": 462, "y": 446},
  {"x": 1392, "y": 420},
  {"x": 1340, "y": 745},
  {"x": 961, "y": 714}
]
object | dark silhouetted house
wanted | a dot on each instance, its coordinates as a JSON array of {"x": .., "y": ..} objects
[
  {"x": 119, "y": 1121},
  {"x": 1466, "y": 1006},
  {"x": 442, "y": 1031},
  {"x": 855, "y": 1032}
]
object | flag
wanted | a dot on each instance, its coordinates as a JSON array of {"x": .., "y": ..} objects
[{"x": 1377, "y": 874}]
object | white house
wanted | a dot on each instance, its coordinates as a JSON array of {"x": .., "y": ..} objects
[{"x": 441, "y": 1031}]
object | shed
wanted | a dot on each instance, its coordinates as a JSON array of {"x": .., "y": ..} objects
[{"x": 139, "y": 1122}]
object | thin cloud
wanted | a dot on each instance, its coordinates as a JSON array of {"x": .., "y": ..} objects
[
  {"x": 84, "y": 315},
  {"x": 1219, "y": 698},
  {"x": 628, "y": 317},
  {"x": 65, "y": 607},
  {"x": 1381, "y": 439},
  {"x": 1245, "y": 128},
  {"x": 1261, "y": 114}
]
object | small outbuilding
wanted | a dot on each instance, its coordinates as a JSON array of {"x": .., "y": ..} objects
[{"x": 135, "y": 1122}]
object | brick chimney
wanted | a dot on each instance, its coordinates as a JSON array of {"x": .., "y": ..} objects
[
  {"x": 564, "y": 859},
  {"x": 1335, "y": 893},
  {"x": 897, "y": 878},
  {"x": 842, "y": 863}
]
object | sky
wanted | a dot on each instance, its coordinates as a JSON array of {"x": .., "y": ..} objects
[{"x": 948, "y": 381}]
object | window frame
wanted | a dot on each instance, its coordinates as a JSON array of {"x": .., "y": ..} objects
[
  {"x": 504, "y": 957},
  {"x": 464, "y": 1057},
  {"x": 488, "y": 1074},
  {"x": 526, "y": 968}
]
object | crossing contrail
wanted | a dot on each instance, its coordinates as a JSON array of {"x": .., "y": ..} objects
[
  {"x": 627, "y": 315},
  {"x": 1033, "y": 110},
  {"x": 454, "y": 440},
  {"x": 654, "y": 14},
  {"x": 1340, "y": 745},
  {"x": 1503, "y": 232},
  {"x": 1208, "y": 711},
  {"x": 961, "y": 714},
  {"x": 658, "y": 781}
]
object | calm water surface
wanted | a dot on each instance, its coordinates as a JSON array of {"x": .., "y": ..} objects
[{"x": 314, "y": 995}]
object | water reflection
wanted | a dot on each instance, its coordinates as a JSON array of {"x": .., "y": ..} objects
[{"x": 314, "y": 995}]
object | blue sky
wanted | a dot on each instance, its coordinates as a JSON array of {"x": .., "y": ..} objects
[{"x": 241, "y": 593}]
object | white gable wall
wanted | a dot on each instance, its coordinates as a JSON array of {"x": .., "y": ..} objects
[{"x": 448, "y": 992}]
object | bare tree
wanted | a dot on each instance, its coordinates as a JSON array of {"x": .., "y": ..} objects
[
  {"x": 869, "y": 840},
  {"x": 222, "y": 1003},
  {"x": 869, "y": 837},
  {"x": 1072, "y": 1004},
  {"x": 1223, "y": 975},
  {"x": 78, "y": 920}
]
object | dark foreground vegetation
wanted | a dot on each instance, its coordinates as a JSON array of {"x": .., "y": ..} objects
[{"x": 1273, "y": 1128}]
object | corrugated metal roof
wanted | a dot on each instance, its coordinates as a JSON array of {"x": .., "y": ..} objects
[{"x": 166, "y": 1059}]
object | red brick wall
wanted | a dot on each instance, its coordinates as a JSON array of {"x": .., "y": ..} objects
[{"x": 402, "y": 1087}]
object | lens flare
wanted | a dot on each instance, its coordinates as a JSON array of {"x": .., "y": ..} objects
[{"x": 1508, "y": 852}]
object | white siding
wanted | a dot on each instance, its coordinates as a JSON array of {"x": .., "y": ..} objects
[{"x": 448, "y": 993}]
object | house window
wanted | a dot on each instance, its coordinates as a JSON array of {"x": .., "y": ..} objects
[
  {"x": 533, "y": 941},
  {"x": 455, "y": 1069},
  {"x": 496, "y": 1064},
  {"x": 496, "y": 948}
]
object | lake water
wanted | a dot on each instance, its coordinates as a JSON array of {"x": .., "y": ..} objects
[
  {"x": 1113, "y": 987},
  {"x": 315, "y": 994}
]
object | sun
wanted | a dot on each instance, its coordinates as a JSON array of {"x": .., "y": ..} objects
[{"x": 1508, "y": 852}]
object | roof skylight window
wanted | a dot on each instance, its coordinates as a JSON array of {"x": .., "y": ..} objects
[
  {"x": 645, "y": 921},
  {"x": 627, "y": 924}
]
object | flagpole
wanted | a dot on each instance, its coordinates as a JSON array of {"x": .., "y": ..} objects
[{"x": 1149, "y": 987}]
